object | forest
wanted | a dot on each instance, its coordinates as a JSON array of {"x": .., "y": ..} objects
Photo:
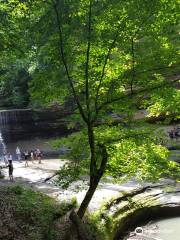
[{"x": 111, "y": 60}]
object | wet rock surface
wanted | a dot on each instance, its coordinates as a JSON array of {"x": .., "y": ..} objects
[
  {"x": 143, "y": 205},
  {"x": 18, "y": 124}
]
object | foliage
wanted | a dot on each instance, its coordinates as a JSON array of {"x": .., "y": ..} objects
[
  {"x": 77, "y": 153},
  {"x": 169, "y": 105},
  {"x": 14, "y": 60},
  {"x": 29, "y": 214},
  {"x": 145, "y": 161},
  {"x": 133, "y": 151},
  {"x": 155, "y": 26},
  {"x": 113, "y": 57},
  {"x": 68, "y": 174},
  {"x": 103, "y": 228},
  {"x": 77, "y": 143}
]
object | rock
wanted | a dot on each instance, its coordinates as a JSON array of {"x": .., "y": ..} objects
[{"x": 130, "y": 209}]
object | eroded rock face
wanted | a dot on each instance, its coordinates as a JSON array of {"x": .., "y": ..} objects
[
  {"x": 140, "y": 206},
  {"x": 18, "y": 124}
]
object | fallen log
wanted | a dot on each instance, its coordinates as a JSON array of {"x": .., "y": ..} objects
[{"x": 49, "y": 178}]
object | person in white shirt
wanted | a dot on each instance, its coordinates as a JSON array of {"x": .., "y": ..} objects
[
  {"x": 18, "y": 153},
  {"x": 32, "y": 156},
  {"x": 6, "y": 159},
  {"x": 38, "y": 154},
  {"x": 9, "y": 157}
]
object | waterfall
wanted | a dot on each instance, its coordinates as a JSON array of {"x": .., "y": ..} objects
[
  {"x": 13, "y": 116},
  {"x": 13, "y": 122},
  {"x": 3, "y": 148},
  {"x": 8, "y": 116}
]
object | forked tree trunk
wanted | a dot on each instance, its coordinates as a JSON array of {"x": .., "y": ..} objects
[{"x": 95, "y": 172}]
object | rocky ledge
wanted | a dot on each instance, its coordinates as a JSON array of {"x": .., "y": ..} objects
[{"x": 130, "y": 209}]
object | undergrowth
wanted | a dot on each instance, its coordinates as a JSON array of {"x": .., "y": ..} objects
[{"x": 29, "y": 215}]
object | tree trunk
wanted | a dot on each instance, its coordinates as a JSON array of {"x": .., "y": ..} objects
[
  {"x": 82, "y": 230},
  {"x": 95, "y": 173},
  {"x": 94, "y": 176},
  {"x": 88, "y": 197}
]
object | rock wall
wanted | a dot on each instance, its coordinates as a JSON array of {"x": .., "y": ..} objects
[{"x": 24, "y": 123}]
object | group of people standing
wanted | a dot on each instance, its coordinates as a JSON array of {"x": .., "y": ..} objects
[
  {"x": 26, "y": 155},
  {"x": 29, "y": 155}
]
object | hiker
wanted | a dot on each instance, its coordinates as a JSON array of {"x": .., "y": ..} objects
[
  {"x": 10, "y": 166},
  {"x": 9, "y": 157},
  {"x": 38, "y": 155},
  {"x": 18, "y": 153},
  {"x": 32, "y": 156},
  {"x": 6, "y": 159},
  {"x": 35, "y": 154},
  {"x": 26, "y": 154}
]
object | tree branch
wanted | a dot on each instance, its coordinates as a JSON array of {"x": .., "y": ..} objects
[
  {"x": 135, "y": 93},
  {"x": 133, "y": 63},
  {"x": 104, "y": 67},
  {"x": 87, "y": 60},
  {"x": 105, "y": 63},
  {"x": 138, "y": 135},
  {"x": 108, "y": 55},
  {"x": 104, "y": 160},
  {"x": 156, "y": 69},
  {"x": 65, "y": 62}
]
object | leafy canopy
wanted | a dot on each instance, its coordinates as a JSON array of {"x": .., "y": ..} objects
[{"x": 120, "y": 55}]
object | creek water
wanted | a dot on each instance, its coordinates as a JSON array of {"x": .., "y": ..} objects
[
  {"x": 168, "y": 229},
  {"x": 163, "y": 229}
]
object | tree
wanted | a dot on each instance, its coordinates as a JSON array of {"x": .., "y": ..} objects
[
  {"x": 108, "y": 34},
  {"x": 112, "y": 57},
  {"x": 16, "y": 54}
]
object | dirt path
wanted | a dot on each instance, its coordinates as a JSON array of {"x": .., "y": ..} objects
[{"x": 35, "y": 174}]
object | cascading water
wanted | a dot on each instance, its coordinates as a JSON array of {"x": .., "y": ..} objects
[
  {"x": 7, "y": 118},
  {"x": 10, "y": 116},
  {"x": 28, "y": 129},
  {"x": 3, "y": 148},
  {"x": 12, "y": 122}
]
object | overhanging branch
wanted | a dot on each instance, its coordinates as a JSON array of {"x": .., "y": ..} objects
[
  {"x": 108, "y": 55},
  {"x": 105, "y": 63},
  {"x": 135, "y": 93},
  {"x": 65, "y": 62},
  {"x": 87, "y": 60}
]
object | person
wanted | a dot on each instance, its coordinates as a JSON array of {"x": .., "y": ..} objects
[
  {"x": 38, "y": 154},
  {"x": 10, "y": 166},
  {"x": 35, "y": 154},
  {"x": 26, "y": 154},
  {"x": 32, "y": 156},
  {"x": 6, "y": 159},
  {"x": 18, "y": 153},
  {"x": 9, "y": 157}
]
